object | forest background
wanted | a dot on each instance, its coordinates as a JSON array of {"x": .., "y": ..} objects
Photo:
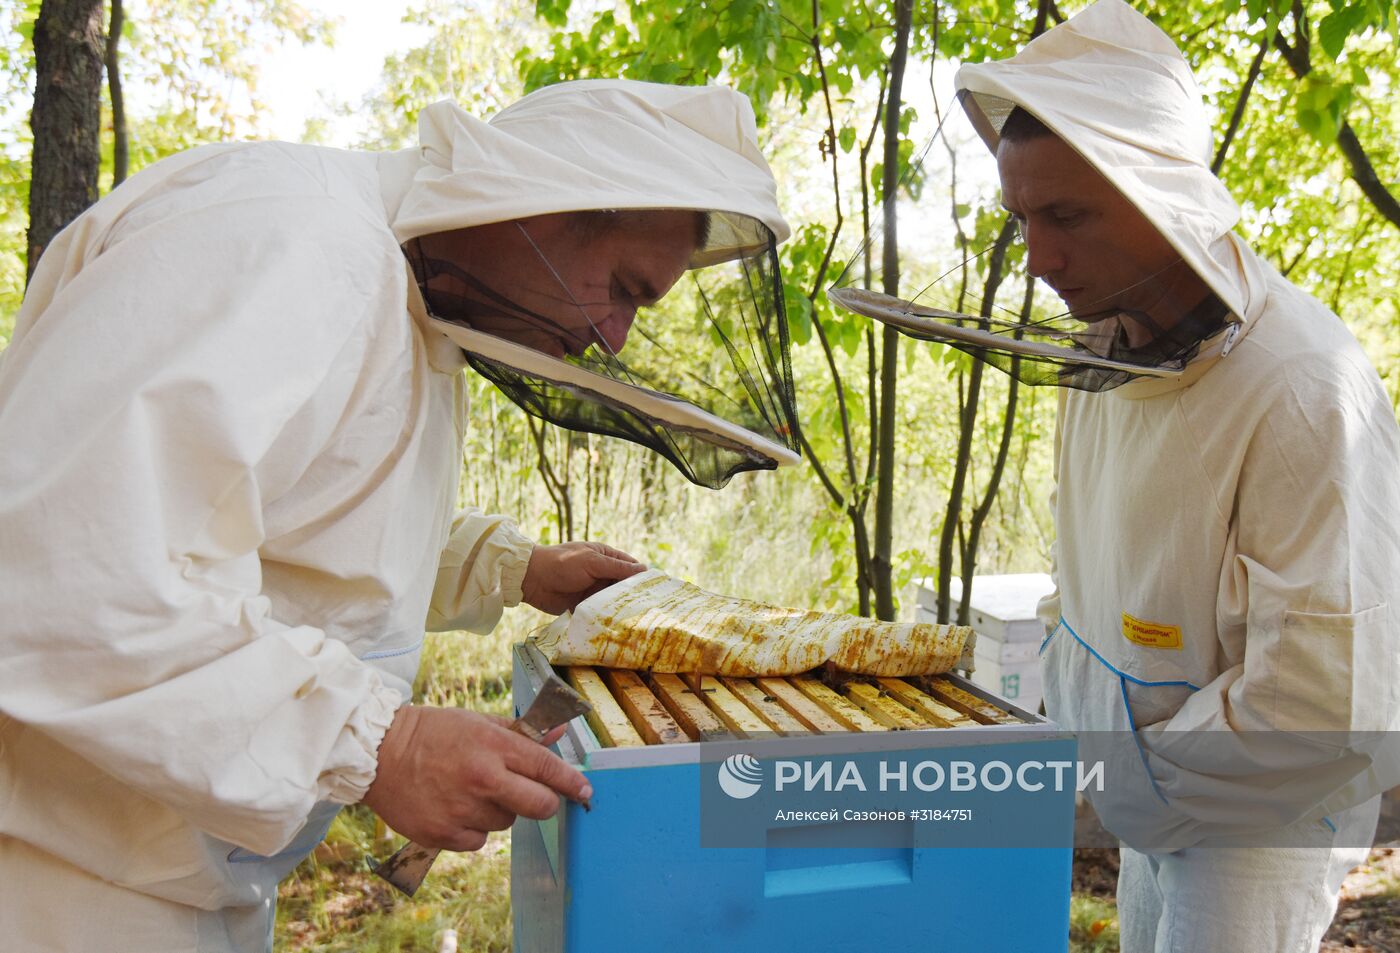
[{"x": 917, "y": 465}]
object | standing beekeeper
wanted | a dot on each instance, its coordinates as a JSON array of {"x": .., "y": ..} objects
[
  {"x": 232, "y": 413},
  {"x": 1226, "y": 553}
]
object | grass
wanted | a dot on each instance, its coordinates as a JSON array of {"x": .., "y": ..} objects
[
  {"x": 332, "y": 903},
  {"x": 1093, "y": 924}
]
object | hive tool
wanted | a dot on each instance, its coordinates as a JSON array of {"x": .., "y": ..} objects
[{"x": 554, "y": 705}]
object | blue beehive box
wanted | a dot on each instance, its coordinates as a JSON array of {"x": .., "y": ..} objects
[{"x": 667, "y": 860}]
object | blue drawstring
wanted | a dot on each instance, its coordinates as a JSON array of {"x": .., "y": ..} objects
[
  {"x": 1123, "y": 679},
  {"x": 390, "y": 653},
  {"x": 1135, "y": 681}
]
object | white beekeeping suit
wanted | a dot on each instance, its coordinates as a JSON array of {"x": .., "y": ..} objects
[
  {"x": 232, "y": 445},
  {"x": 1226, "y": 552}
]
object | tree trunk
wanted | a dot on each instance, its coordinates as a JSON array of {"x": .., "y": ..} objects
[
  {"x": 984, "y": 509},
  {"x": 952, "y": 520},
  {"x": 120, "y": 150},
  {"x": 881, "y": 566},
  {"x": 68, "y": 48},
  {"x": 554, "y": 484}
]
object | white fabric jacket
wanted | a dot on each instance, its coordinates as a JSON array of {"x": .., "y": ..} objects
[
  {"x": 232, "y": 454},
  {"x": 1228, "y": 551},
  {"x": 231, "y": 463}
]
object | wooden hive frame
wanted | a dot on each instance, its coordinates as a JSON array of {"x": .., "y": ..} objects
[{"x": 646, "y": 708}]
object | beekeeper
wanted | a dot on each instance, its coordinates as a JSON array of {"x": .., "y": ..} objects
[
  {"x": 1224, "y": 632},
  {"x": 232, "y": 413}
]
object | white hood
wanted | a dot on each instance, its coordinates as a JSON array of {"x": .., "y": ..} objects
[
  {"x": 591, "y": 144},
  {"x": 610, "y": 145},
  {"x": 1116, "y": 89}
]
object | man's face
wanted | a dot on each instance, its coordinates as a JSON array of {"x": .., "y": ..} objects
[
  {"x": 1084, "y": 239},
  {"x": 566, "y": 285}
]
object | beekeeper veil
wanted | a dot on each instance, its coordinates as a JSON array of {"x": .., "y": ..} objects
[
  {"x": 605, "y": 253},
  {"x": 1116, "y": 91}
]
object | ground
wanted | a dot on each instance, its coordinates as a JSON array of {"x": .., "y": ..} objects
[
  {"x": 1368, "y": 915},
  {"x": 1368, "y": 912},
  {"x": 333, "y": 904}
]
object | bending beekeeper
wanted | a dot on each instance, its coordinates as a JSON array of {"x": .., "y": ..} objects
[
  {"x": 1224, "y": 630},
  {"x": 232, "y": 414}
]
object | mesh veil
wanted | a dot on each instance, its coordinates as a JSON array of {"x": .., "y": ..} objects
[
  {"x": 979, "y": 299},
  {"x": 1057, "y": 350},
  {"x": 704, "y": 378}
]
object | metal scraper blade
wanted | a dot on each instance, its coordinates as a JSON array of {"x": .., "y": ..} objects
[{"x": 555, "y": 704}]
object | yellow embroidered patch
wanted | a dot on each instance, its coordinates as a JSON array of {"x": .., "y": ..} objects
[{"x": 1153, "y": 635}]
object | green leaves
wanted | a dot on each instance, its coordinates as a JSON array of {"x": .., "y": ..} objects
[
  {"x": 1321, "y": 107},
  {"x": 705, "y": 46},
  {"x": 844, "y": 331},
  {"x": 1267, "y": 9},
  {"x": 553, "y": 12},
  {"x": 1351, "y": 19},
  {"x": 1333, "y": 30},
  {"x": 799, "y": 311},
  {"x": 762, "y": 47}
]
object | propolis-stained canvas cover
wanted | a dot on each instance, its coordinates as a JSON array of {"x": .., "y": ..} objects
[{"x": 658, "y": 623}]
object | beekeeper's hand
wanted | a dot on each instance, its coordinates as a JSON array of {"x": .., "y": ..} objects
[
  {"x": 560, "y": 577},
  {"x": 448, "y": 777}
]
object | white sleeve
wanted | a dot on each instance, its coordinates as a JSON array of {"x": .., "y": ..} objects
[
  {"x": 480, "y": 573},
  {"x": 172, "y": 390},
  {"x": 1277, "y": 738}
]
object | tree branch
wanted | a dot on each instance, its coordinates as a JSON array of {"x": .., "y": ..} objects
[
  {"x": 984, "y": 509},
  {"x": 872, "y": 367},
  {"x": 882, "y": 568},
  {"x": 840, "y": 397},
  {"x": 953, "y": 513},
  {"x": 835, "y": 494},
  {"x": 1298, "y": 58},
  {"x": 552, "y": 484},
  {"x": 1296, "y": 258},
  {"x": 114, "y": 90},
  {"x": 1365, "y": 175},
  {"x": 1344, "y": 276},
  {"x": 1042, "y": 14},
  {"x": 830, "y": 248},
  {"x": 1238, "y": 114}
]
